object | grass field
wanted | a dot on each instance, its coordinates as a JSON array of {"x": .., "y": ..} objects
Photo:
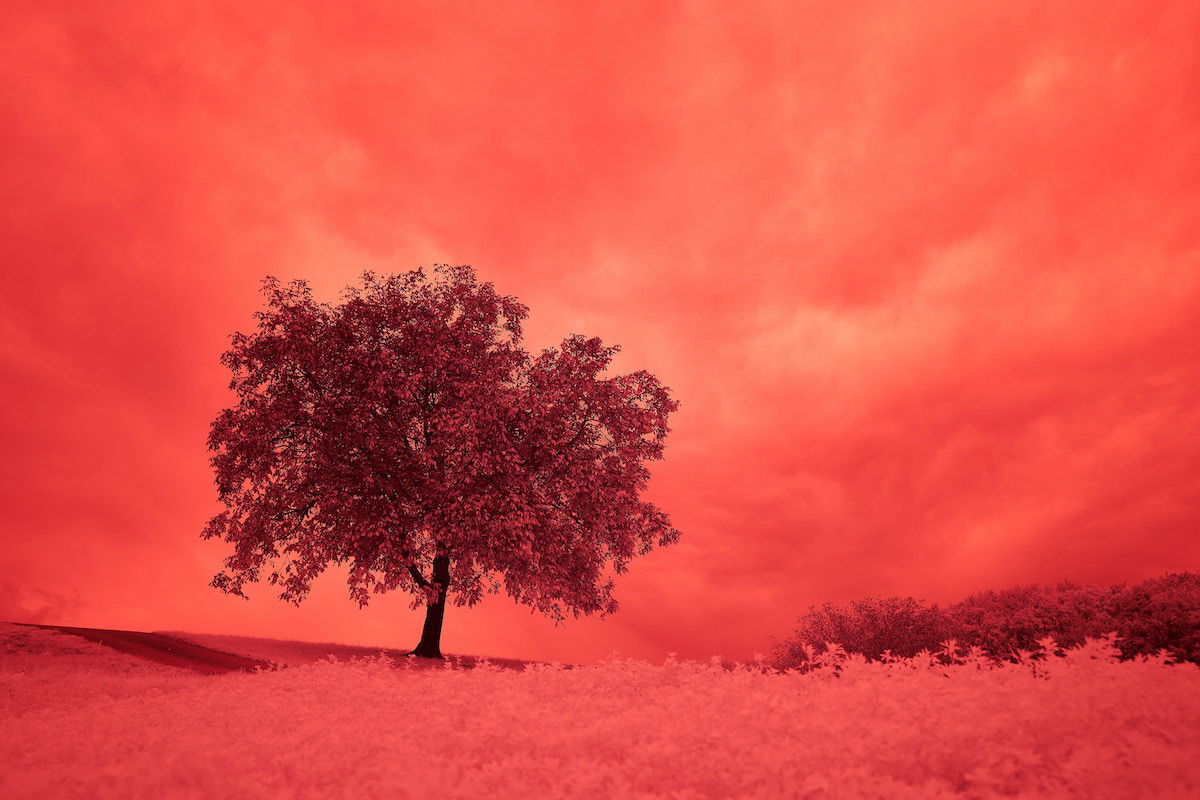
[{"x": 82, "y": 721}]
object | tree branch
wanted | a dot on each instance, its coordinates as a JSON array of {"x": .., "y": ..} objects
[
  {"x": 306, "y": 374},
  {"x": 417, "y": 576}
]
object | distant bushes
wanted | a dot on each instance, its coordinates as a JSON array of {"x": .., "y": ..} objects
[
  {"x": 871, "y": 627},
  {"x": 1161, "y": 613}
]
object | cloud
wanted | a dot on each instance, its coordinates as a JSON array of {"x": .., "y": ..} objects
[
  {"x": 925, "y": 279},
  {"x": 35, "y": 605}
]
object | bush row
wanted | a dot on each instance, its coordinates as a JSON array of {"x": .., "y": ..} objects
[{"x": 1161, "y": 613}]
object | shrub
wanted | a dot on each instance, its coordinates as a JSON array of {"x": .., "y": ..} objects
[
  {"x": 1161, "y": 613},
  {"x": 1003, "y": 622},
  {"x": 899, "y": 626}
]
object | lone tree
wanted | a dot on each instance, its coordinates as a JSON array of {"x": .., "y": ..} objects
[{"x": 405, "y": 433}]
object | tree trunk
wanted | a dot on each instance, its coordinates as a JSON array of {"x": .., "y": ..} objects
[{"x": 431, "y": 634}]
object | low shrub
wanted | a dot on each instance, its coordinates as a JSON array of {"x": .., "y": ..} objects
[{"x": 1159, "y": 614}]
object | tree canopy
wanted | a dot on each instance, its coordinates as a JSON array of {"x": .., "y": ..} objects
[{"x": 405, "y": 433}]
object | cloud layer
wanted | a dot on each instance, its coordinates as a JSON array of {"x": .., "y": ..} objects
[{"x": 926, "y": 282}]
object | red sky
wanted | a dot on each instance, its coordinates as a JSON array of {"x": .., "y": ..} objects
[{"x": 926, "y": 283}]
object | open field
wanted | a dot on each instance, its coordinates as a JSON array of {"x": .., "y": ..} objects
[{"x": 82, "y": 720}]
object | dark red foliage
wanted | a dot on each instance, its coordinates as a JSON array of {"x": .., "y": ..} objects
[
  {"x": 1161, "y": 613},
  {"x": 405, "y": 428},
  {"x": 899, "y": 626}
]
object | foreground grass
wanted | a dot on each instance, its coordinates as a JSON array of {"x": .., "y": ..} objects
[{"x": 79, "y": 721}]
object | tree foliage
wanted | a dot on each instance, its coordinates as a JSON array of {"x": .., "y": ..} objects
[
  {"x": 1160, "y": 613},
  {"x": 901, "y": 626},
  {"x": 406, "y": 434}
]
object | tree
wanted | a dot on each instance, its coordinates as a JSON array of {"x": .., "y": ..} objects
[
  {"x": 1007, "y": 620},
  {"x": 902, "y": 626},
  {"x": 406, "y": 434}
]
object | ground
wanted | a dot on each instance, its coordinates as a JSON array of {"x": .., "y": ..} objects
[{"x": 83, "y": 720}]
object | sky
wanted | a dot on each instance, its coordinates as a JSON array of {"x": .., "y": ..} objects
[{"x": 924, "y": 277}]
